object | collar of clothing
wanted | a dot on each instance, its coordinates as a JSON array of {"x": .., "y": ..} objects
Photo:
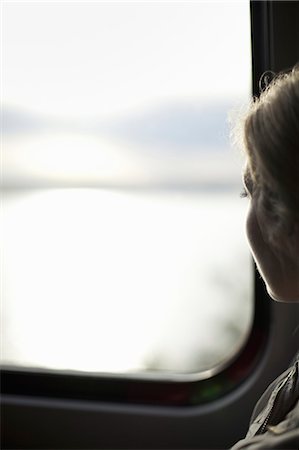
[
  {"x": 275, "y": 420},
  {"x": 278, "y": 400}
]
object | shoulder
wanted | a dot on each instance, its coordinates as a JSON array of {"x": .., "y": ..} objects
[
  {"x": 275, "y": 420},
  {"x": 288, "y": 385}
]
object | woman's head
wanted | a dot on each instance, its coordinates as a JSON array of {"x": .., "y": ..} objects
[{"x": 271, "y": 178}]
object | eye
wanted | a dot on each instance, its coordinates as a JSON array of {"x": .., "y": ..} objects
[
  {"x": 243, "y": 193},
  {"x": 248, "y": 185}
]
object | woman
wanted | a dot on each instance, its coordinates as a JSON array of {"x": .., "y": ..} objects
[{"x": 271, "y": 181}]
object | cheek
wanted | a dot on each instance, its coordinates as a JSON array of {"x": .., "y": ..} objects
[
  {"x": 252, "y": 231},
  {"x": 259, "y": 248},
  {"x": 279, "y": 271},
  {"x": 267, "y": 263}
]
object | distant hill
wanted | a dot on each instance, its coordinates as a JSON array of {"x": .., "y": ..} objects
[
  {"x": 180, "y": 145},
  {"x": 177, "y": 126},
  {"x": 18, "y": 121}
]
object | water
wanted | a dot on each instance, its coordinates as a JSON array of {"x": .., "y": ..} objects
[{"x": 107, "y": 280}]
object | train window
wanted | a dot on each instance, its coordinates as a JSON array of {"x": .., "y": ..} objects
[{"x": 123, "y": 246}]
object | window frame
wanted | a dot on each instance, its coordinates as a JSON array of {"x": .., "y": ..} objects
[{"x": 270, "y": 34}]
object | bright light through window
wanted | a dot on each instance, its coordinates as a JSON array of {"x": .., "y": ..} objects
[{"x": 123, "y": 248}]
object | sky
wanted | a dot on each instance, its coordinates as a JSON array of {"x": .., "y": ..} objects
[{"x": 106, "y": 59}]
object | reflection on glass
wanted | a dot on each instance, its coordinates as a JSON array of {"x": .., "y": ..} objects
[{"x": 123, "y": 242}]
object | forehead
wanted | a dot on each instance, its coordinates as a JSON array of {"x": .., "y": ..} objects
[{"x": 250, "y": 171}]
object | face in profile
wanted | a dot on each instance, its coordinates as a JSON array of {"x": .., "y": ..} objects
[{"x": 277, "y": 262}]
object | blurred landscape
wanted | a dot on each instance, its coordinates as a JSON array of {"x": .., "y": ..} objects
[
  {"x": 135, "y": 269},
  {"x": 123, "y": 234},
  {"x": 183, "y": 145}
]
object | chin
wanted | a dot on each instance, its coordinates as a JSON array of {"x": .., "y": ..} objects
[
  {"x": 281, "y": 297},
  {"x": 274, "y": 296}
]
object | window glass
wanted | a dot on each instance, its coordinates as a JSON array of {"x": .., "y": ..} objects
[{"x": 123, "y": 242}]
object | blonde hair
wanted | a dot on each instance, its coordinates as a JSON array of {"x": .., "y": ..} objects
[{"x": 271, "y": 140}]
